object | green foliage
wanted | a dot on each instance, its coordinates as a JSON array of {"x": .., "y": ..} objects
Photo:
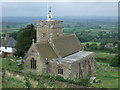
[
  {"x": 109, "y": 79},
  {"x": 14, "y": 35},
  {"x": 11, "y": 82},
  {"x": 51, "y": 82},
  {"x": 41, "y": 83},
  {"x": 10, "y": 65},
  {"x": 115, "y": 61},
  {"x": 84, "y": 81},
  {"x": 27, "y": 82},
  {"x": 3, "y": 75},
  {"x": 12, "y": 79},
  {"x": 94, "y": 46},
  {"x": 24, "y": 39}
]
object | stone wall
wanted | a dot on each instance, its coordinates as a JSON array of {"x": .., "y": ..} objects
[
  {"x": 48, "y": 29},
  {"x": 40, "y": 64},
  {"x": 84, "y": 67},
  {"x": 55, "y": 65}
]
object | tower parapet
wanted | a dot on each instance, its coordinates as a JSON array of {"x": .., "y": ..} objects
[{"x": 47, "y": 29}]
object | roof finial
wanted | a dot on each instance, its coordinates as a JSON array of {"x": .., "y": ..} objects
[
  {"x": 33, "y": 40},
  {"x": 49, "y": 15}
]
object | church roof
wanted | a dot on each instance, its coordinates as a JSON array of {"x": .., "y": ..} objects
[
  {"x": 67, "y": 45},
  {"x": 60, "y": 47},
  {"x": 45, "y": 50},
  {"x": 74, "y": 57}
]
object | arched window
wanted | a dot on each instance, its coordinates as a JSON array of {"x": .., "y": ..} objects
[
  {"x": 60, "y": 71},
  {"x": 33, "y": 63}
]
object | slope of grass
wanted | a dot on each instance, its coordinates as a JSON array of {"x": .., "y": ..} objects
[
  {"x": 11, "y": 82},
  {"x": 104, "y": 56},
  {"x": 10, "y": 65},
  {"x": 109, "y": 78}
]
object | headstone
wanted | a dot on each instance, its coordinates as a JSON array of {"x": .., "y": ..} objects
[
  {"x": 97, "y": 81},
  {"x": 92, "y": 79}
]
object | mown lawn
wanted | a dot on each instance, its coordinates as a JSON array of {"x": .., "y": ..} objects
[{"x": 109, "y": 78}]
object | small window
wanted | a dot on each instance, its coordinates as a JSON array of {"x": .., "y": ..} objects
[
  {"x": 60, "y": 71},
  {"x": 33, "y": 63}
]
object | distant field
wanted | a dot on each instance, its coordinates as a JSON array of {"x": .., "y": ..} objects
[
  {"x": 98, "y": 43},
  {"x": 104, "y": 55}
]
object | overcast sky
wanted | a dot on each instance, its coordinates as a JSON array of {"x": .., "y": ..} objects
[{"x": 60, "y": 8}]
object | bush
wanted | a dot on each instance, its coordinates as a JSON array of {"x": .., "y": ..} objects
[
  {"x": 84, "y": 81},
  {"x": 115, "y": 62},
  {"x": 52, "y": 82},
  {"x": 59, "y": 78},
  {"x": 41, "y": 84},
  {"x": 27, "y": 82}
]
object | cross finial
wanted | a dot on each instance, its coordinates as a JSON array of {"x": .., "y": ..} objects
[
  {"x": 49, "y": 15},
  {"x": 33, "y": 40}
]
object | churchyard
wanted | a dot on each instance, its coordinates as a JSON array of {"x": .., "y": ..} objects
[{"x": 106, "y": 75}]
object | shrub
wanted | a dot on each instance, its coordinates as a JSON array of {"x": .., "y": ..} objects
[
  {"x": 84, "y": 81},
  {"x": 52, "y": 82},
  {"x": 27, "y": 82},
  {"x": 41, "y": 84},
  {"x": 12, "y": 79},
  {"x": 115, "y": 62},
  {"x": 59, "y": 78}
]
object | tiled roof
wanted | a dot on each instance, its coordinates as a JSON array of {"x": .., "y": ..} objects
[
  {"x": 11, "y": 42},
  {"x": 45, "y": 50},
  {"x": 66, "y": 45}
]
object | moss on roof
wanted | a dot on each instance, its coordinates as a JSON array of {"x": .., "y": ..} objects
[
  {"x": 66, "y": 45},
  {"x": 45, "y": 50}
]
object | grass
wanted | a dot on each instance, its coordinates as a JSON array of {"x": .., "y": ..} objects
[
  {"x": 10, "y": 64},
  {"x": 84, "y": 43},
  {"x": 104, "y": 56},
  {"x": 109, "y": 79},
  {"x": 11, "y": 82}
]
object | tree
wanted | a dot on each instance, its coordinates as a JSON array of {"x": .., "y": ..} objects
[
  {"x": 87, "y": 45},
  {"x": 14, "y": 35},
  {"x": 115, "y": 61},
  {"x": 24, "y": 39},
  {"x": 102, "y": 44},
  {"x": 93, "y": 46}
]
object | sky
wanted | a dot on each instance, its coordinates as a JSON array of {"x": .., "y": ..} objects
[{"x": 60, "y": 8}]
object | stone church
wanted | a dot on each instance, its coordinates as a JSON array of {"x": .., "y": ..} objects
[{"x": 58, "y": 54}]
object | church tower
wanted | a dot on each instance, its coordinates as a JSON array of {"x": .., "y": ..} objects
[{"x": 46, "y": 29}]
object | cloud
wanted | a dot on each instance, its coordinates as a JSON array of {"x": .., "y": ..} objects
[{"x": 60, "y": 9}]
